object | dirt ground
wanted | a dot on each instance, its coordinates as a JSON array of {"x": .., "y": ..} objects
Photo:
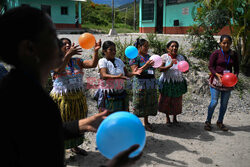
[{"x": 186, "y": 144}]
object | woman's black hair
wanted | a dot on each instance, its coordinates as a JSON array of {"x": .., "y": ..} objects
[
  {"x": 169, "y": 44},
  {"x": 140, "y": 42},
  {"x": 225, "y": 36},
  {"x": 18, "y": 24},
  {"x": 106, "y": 45},
  {"x": 62, "y": 39}
]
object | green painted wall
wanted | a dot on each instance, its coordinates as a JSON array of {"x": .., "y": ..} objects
[
  {"x": 147, "y": 23},
  {"x": 55, "y": 8},
  {"x": 170, "y": 13},
  {"x": 181, "y": 12}
]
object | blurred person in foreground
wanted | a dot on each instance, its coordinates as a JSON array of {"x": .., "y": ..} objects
[{"x": 34, "y": 133}]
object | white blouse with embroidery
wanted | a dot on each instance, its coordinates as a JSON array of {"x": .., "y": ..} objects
[
  {"x": 172, "y": 73},
  {"x": 117, "y": 85}
]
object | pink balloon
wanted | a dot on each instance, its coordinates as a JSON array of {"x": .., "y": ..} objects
[
  {"x": 183, "y": 66},
  {"x": 157, "y": 60}
]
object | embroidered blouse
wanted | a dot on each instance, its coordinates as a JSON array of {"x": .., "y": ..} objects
[
  {"x": 69, "y": 79},
  {"x": 113, "y": 85},
  {"x": 111, "y": 69},
  {"x": 172, "y": 73},
  {"x": 141, "y": 61}
]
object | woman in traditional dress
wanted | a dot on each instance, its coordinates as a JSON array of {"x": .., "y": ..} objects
[
  {"x": 172, "y": 83},
  {"x": 68, "y": 88},
  {"x": 144, "y": 85},
  {"x": 112, "y": 94}
]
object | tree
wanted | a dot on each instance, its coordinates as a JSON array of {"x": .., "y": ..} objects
[{"x": 213, "y": 15}]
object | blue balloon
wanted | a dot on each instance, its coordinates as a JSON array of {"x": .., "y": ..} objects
[
  {"x": 131, "y": 52},
  {"x": 118, "y": 132}
]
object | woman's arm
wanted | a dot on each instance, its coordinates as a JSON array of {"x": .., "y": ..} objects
[
  {"x": 212, "y": 62},
  {"x": 105, "y": 75},
  {"x": 130, "y": 74},
  {"x": 164, "y": 68},
  {"x": 94, "y": 61},
  {"x": 75, "y": 128},
  {"x": 148, "y": 64},
  {"x": 74, "y": 50},
  {"x": 212, "y": 65}
]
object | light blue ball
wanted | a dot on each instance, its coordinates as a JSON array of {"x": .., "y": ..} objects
[
  {"x": 131, "y": 52},
  {"x": 118, "y": 132}
]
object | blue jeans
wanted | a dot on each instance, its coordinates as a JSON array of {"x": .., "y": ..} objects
[{"x": 214, "y": 100}]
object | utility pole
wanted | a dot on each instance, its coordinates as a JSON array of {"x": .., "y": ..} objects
[
  {"x": 135, "y": 15},
  {"x": 112, "y": 31}
]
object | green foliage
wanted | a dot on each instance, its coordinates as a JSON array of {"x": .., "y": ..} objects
[
  {"x": 210, "y": 18},
  {"x": 158, "y": 46},
  {"x": 96, "y": 14},
  {"x": 213, "y": 15},
  {"x": 101, "y": 15},
  {"x": 202, "y": 43},
  {"x": 120, "y": 50}
]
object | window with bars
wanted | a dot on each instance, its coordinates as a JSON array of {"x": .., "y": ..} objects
[
  {"x": 147, "y": 9},
  {"x": 64, "y": 10}
]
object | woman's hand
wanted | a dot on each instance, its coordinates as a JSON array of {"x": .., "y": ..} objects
[
  {"x": 74, "y": 50},
  {"x": 150, "y": 63},
  {"x": 174, "y": 61},
  {"x": 122, "y": 159},
  {"x": 137, "y": 71},
  {"x": 219, "y": 76},
  {"x": 92, "y": 123},
  {"x": 98, "y": 45},
  {"x": 121, "y": 76}
]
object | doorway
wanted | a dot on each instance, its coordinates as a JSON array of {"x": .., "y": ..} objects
[{"x": 159, "y": 22}]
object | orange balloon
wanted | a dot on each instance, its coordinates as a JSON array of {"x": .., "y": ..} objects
[{"x": 86, "y": 40}]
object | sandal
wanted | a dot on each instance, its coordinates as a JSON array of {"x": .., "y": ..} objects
[
  {"x": 79, "y": 151},
  {"x": 208, "y": 126},
  {"x": 222, "y": 126}
]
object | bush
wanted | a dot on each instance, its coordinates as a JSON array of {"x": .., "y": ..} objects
[
  {"x": 158, "y": 46},
  {"x": 120, "y": 50},
  {"x": 202, "y": 42}
]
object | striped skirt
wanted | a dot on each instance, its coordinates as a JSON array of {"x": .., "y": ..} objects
[
  {"x": 115, "y": 102},
  {"x": 144, "y": 97},
  {"x": 73, "y": 106},
  {"x": 170, "y": 99}
]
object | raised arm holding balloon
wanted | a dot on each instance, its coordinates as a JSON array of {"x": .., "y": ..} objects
[
  {"x": 221, "y": 80},
  {"x": 172, "y": 83},
  {"x": 68, "y": 85}
]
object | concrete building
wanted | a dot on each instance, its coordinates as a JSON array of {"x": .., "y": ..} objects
[
  {"x": 167, "y": 16},
  {"x": 62, "y": 12}
]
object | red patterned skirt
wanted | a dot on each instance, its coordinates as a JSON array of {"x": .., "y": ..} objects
[{"x": 170, "y": 105}]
